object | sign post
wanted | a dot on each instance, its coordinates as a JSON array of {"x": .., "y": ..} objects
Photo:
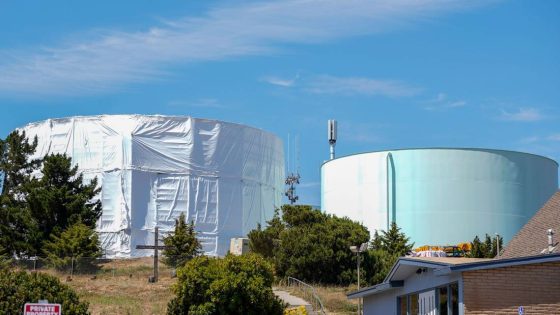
[{"x": 42, "y": 309}]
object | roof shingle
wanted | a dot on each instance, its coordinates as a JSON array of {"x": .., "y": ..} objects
[{"x": 532, "y": 239}]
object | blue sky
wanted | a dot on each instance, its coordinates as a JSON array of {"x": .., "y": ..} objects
[{"x": 394, "y": 73}]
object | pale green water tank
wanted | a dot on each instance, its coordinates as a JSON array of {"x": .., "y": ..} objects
[{"x": 439, "y": 196}]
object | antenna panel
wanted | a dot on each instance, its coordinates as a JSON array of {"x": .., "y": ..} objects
[{"x": 332, "y": 130}]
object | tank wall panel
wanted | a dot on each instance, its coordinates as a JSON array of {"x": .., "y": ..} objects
[{"x": 440, "y": 196}]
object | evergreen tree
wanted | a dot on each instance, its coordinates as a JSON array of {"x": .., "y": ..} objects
[
  {"x": 17, "y": 228},
  {"x": 182, "y": 245},
  {"x": 376, "y": 265},
  {"x": 477, "y": 248},
  {"x": 16, "y": 164},
  {"x": 79, "y": 242},
  {"x": 394, "y": 242},
  {"x": 60, "y": 199},
  {"x": 265, "y": 241},
  {"x": 376, "y": 242},
  {"x": 486, "y": 249}
]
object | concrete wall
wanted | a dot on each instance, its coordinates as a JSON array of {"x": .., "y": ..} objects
[
  {"x": 504, "y": 290},
  {"x": 439, "y": 196}
]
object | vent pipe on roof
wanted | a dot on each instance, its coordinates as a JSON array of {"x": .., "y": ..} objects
[{"x": 550, "y": 234}]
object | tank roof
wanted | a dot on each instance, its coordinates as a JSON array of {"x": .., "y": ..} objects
[
  {"x": 141, "y": 115},
  {"x": 443, "y": 148}
]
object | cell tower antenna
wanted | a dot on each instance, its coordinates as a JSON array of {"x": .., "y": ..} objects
[
  {"x": 292, "y": 179},
  {"x": 289, "y": 157},
  {"x": 297, "y": 154},
  {"x": 332, "y": 135}
]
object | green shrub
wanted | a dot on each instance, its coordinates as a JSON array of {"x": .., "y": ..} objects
[
  {"x": 78, "y": 242},
  {"x": 18, "y": 288},
  {"x": 182, "y": 245},
  {"x": 231, "y": 285}
]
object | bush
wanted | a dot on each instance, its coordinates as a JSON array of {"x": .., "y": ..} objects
[
  {"x": 78, "y": 242},
  {"x": 298, "y": 310},
  {"x": 182, "y": 245},
  {"x": 18, "y": 288},
  {"x": 231, "y": 285}
]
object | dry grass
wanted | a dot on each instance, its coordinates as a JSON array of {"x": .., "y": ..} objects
[
  {"x": 122, "y": 288},
  {"x": 333, "y": 298}
]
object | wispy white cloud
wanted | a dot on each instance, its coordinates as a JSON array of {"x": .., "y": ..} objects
[
  {"x": 523, "y": 115},
  {"x": 111, "y": 59},
  {"x": 442, "y": 102},
  {"x": 280, "y": 81},
  {"x": 202, "y": 102},
  {"x": 554, "y": 137},
  {"x": 327, "y": 84}
]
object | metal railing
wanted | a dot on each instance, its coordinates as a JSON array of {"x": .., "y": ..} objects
[{"x": 309, "y": 294}]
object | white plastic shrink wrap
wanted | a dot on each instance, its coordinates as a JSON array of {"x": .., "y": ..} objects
[{"x": 225, "y": 177}]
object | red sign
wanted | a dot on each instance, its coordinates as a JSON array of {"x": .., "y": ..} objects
[{"x": 42, "y": 309}]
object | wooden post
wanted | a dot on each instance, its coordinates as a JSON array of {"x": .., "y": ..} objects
[
  {"x": 156, "y": 247},
  {"x": 156, "y": 241}
]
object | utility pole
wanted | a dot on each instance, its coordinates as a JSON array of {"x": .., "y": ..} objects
[
  {"x": 358, "y": 250},
  {"x": 497, "y": 245}
]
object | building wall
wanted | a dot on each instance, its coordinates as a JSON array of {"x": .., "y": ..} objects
[
  {"x": 386, "y": 303},
  {"x": 439, "y": 196},
  {"x": 503, "y": 290}
]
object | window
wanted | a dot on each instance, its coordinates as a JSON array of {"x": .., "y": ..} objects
[
  {"x": 442, "y": 300},
  {"x": 454, "y": 290},
  {"x": 414, "y": 304},
  {"x": 403, "y": 305}
]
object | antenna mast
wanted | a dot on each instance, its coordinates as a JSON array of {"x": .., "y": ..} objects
[
  {"x": 332, "y": 135},
  {"x": 292, "y": 179}
]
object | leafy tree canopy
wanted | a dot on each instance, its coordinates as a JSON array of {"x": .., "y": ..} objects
[
  {"x": 231, "y": 285},
  {"x": 310, "y": 245},
  {"x": 17, "y": 288}
]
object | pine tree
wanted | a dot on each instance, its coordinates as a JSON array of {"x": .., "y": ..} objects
[
  {"x": 182, "y": 245},
  {"x": 394, "y": 241},
  {"x": 78, "y": 242},
  {"x": 486, "y": 249},
  {"x": 376, "y": 242},
  {"x": 16, "y": 164},
  {"x": 265, "y": 241},
  {"x": 17, "y": 229},
  {"x": 60, "y": 199},
  {"x": 477, "y": 249}
]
